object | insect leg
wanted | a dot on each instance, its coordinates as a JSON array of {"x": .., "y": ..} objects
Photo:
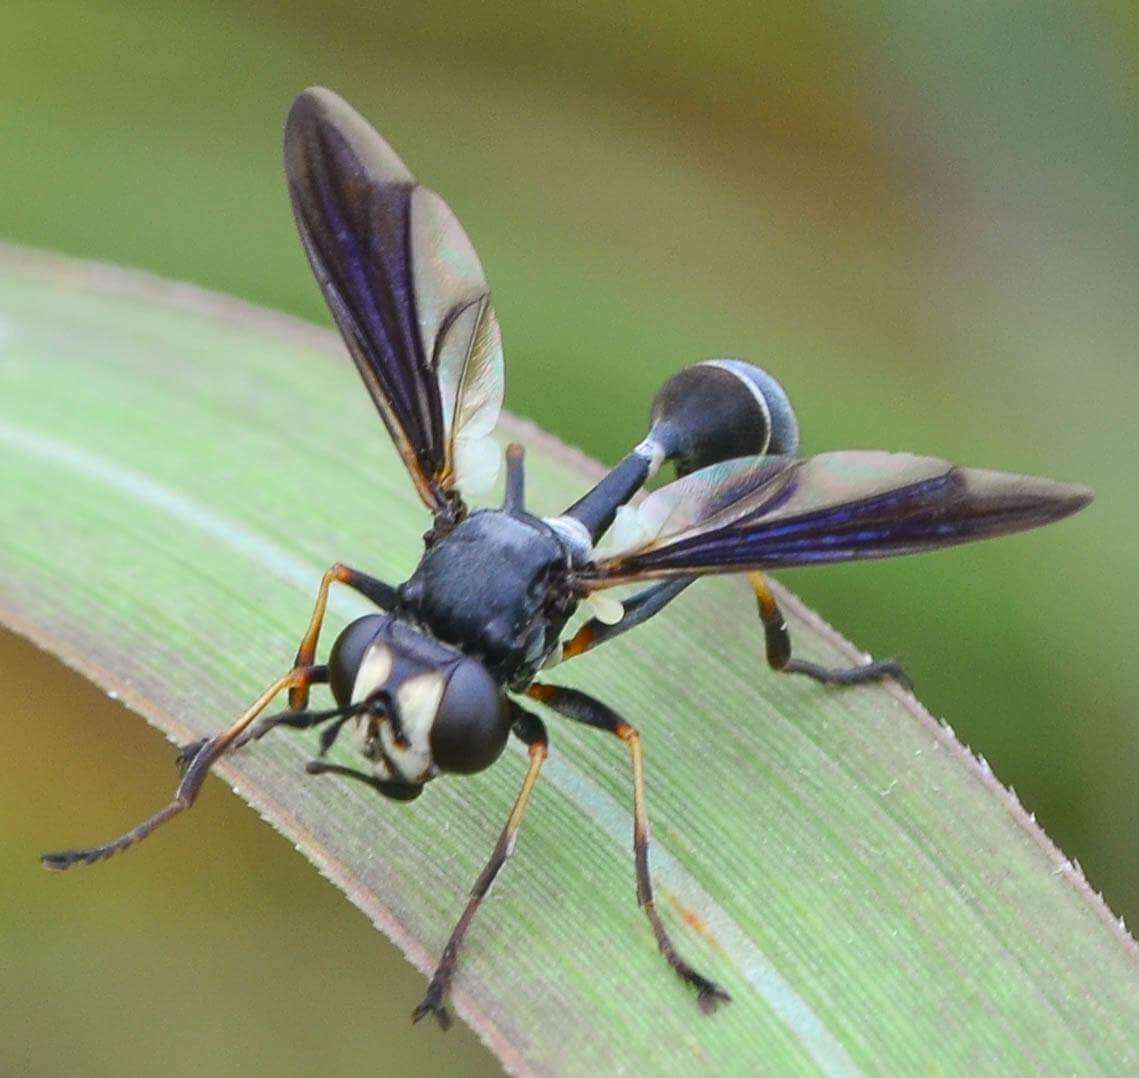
[
  {"x": 302, "y": 720},
  {"x": 192, "y": 778},
  {"x": 397, "y": 791},
  {"x": 638, "y": 608},
  {"x": 530, "y": 729},
  {"x": 778, "y": 642},
  {"x": 383, "y": 595},
  {"x": 515, "y": 501},
  {"x": 585, "y": 709}
]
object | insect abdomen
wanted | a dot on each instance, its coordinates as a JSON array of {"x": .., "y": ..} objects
[{"x": 721, "y": 409}]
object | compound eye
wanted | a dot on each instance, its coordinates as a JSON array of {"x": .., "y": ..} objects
[
  {"x": 472, "y": 723},
  {"x": 348, "y": 653}
]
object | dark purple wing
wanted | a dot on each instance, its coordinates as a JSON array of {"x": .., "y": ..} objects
[
  {"x": 778, "y": 512},
  {"x": 405, "y": 287}
]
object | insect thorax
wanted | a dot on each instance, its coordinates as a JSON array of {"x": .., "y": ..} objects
[{"x": 494, "y": 588}]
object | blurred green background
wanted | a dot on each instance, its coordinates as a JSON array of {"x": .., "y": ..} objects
[{"x": 924, "y": 221}]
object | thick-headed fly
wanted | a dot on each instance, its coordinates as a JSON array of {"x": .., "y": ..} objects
[{"x": 434, "y": 684}]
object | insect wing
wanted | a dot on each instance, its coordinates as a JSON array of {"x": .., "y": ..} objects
[
  {"x": 778, "y": 512},
  {"x": 461, "y": 334},
  {"x": 405, "y": 287}
]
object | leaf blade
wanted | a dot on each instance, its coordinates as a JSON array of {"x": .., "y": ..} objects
[{"x": 881, "y": 902}]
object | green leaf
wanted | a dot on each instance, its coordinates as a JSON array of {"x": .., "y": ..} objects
[{"x": 178, "y": 470}]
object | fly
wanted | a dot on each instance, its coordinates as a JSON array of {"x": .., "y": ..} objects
[{"x": 442, "y": 676}]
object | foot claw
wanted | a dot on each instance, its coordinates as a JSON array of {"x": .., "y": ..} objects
[
  {"x": 854, "y": 675},
  {"x": 187, "y": 752},
  {"x": 64, "y": 859},
  {"x": 893, "y": 668},
  {"x": 433, "y": 1004},
  {"x": 709, "y": 996}
]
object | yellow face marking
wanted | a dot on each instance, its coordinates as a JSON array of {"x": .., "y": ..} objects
[
  {"x": 418, "y": 701},
  {"x": 373, "y": 673}
]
